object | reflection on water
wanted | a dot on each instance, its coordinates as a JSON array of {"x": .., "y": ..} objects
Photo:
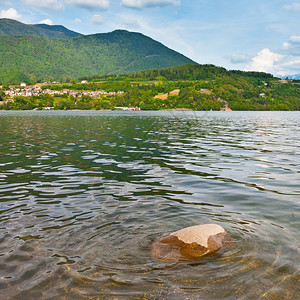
[{"x": 84, "y": 194}]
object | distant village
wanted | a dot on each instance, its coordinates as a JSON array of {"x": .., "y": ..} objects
[{"x": 37, "y": 90}]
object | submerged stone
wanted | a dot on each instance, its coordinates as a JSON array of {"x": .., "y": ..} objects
[{"x": 190, "y": 242}]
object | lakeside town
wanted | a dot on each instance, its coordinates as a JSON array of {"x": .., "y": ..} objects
[{"x": 37, "y": 90}]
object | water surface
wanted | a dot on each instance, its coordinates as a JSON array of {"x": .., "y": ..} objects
[{"x": 83, "y": 195}]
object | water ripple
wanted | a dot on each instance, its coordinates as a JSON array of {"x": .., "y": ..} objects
[{"x": 83, "y": 195}]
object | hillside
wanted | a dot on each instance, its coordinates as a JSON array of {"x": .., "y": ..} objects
[
  {"x": 197, "y": 72},
  {"x": 32, "y": 58},
  {"x": 11, "y": 27},
  {"x": 193, "y": 87}
]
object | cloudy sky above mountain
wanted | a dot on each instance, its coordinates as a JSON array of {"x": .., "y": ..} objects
[{"x": 260, "y": 35}]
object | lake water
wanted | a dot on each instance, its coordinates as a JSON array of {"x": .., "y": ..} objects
[{"x": 83, "y": 195}]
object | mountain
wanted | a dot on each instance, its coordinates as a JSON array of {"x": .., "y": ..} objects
[
  {"x": 32, "y": 58},
  {"x": 57, "y": 31},
  {"x": 12, "y": 27},
  {"x": 294, "y": 77}
]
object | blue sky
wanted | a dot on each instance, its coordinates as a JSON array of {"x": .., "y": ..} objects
[{"x": 259, "y": 35}]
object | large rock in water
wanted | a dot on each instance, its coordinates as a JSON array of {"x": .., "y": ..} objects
[{"x": 190, "y": 242}]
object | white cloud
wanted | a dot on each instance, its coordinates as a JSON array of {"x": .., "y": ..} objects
[
  {"x": 294, "y": 6},
  {"x": 264, "y": 61},
  {"x": 148, "y": 3},
  {"x": 89, "y": 4},
  {"x": 44, "y": 4},
  {"x": 77, "y": 20},
  {"x": 285, "y": 46},
  {"x": 46, "y": 21},
  {"x": 294, "y": 63},
  {"x": 10, "y": 13},
  {"x": 97, "y": 20},
  {"x": 289, "y": 66},
  {"x": 281, "y": 64},
  {"x": 295, "y": 39}
]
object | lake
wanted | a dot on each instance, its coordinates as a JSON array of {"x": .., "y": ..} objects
[{"x": 83, "y": 195}]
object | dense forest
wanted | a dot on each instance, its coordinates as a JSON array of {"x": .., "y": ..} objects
[
  {"x": 199, "y": 87},
  {"x": 34, "y": 58}
]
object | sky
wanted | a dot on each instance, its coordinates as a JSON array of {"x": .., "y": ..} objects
[{"x": 250, "y": 35}]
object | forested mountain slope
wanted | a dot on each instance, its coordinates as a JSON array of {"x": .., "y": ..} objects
[{"x": 33, "y": 58}]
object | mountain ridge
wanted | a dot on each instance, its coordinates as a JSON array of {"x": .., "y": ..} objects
[
  {"x": 32, "y": 58},
  {"x": 293, "y": 77},
  {"x": 9, "y": 27}
]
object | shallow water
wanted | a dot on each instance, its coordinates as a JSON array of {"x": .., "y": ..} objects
[{"x": 83, "y": 195}]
